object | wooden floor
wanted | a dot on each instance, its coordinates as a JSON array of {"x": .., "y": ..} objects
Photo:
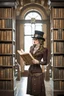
[{"x": 22, "y": 86}]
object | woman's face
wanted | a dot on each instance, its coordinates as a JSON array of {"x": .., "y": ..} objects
[{"x": 35, "y": 41}]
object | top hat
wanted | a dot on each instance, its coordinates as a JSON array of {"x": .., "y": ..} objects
[{"x": 38, "y": 35}]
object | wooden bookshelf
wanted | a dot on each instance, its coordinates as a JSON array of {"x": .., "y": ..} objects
[
  {"x": 7, "y": 50},
  {"x": 57, "y": 47}
]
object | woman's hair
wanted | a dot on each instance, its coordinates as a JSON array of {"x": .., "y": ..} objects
[{"x": 41, "y": 42}]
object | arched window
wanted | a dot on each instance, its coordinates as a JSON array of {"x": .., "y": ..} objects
[{"x": 30, "y": 26}]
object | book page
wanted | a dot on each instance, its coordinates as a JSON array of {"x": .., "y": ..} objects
[{"x": 27, "y": 57}]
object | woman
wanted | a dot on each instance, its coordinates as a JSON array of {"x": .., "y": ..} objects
[{"x": 35, "y": 85}]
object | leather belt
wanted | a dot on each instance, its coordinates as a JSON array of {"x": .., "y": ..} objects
[{"x": 35, "y": 74}]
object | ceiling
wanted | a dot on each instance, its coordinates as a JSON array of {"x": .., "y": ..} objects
[{"x": 24, "y": 2}]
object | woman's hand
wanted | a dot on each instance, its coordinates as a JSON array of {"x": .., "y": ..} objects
[{"x": 35, "y": 61}]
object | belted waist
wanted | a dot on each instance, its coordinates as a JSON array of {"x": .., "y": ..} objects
[{"x": 35, "y": 74}]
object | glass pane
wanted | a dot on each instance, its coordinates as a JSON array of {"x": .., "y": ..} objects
[
  {"x": 36, "y": 16},
  {"x": 28, "y": 16},
  {"x": 28, "y": 43},
  {"x": 33, "y": 28},
  {"x": 38, "y": 27},
  {"x": 33, "y": 15},
  {"x": 27, "y": 30}
]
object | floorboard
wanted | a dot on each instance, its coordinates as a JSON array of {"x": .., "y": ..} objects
[{"x": 22, "y": 86}]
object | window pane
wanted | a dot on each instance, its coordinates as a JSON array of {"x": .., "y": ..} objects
[
  {"x": 28, "y": 16},
  {"x": 28, "y": 43},
  {"x": 38, "y": 27},
  {"x": 33, "y": 15},
  {"x": 27, "y": 30},
  {"x": 33, "y": 28}
]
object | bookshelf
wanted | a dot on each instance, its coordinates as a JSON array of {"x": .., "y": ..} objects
[
  {"x": 7, "y": 50},
  {"x": 57, "y": 47}
]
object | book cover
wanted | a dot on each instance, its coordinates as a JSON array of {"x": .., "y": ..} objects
[{"x": 27, "y": 57}]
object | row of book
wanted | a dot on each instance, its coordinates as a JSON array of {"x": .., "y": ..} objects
[
  {"x": 58, "y": 47},
  {"x": 6, "y": 48},
  {"x": 6, "y": 23},
  {"x": 5, "y": 35},
  {"x": 6, "y": 12},
  {"x": 58, "y": 61},
  {"x": 6, "y": 85},
  {"x": 58, "y": 34},
  {"x": 6, "y": 60},
  {"x": 58, "y": 12},
  {"x": 6, "y": 73},
  {"x": 58, "y": 85},
  {"x": 58, "y": 24},
  {"x": 59, "y": 73}
]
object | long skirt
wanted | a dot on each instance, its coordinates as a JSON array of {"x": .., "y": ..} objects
[{"x": 35, "y": 85}]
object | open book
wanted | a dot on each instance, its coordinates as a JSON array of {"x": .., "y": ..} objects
[{"x": 27, "y": 57}]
